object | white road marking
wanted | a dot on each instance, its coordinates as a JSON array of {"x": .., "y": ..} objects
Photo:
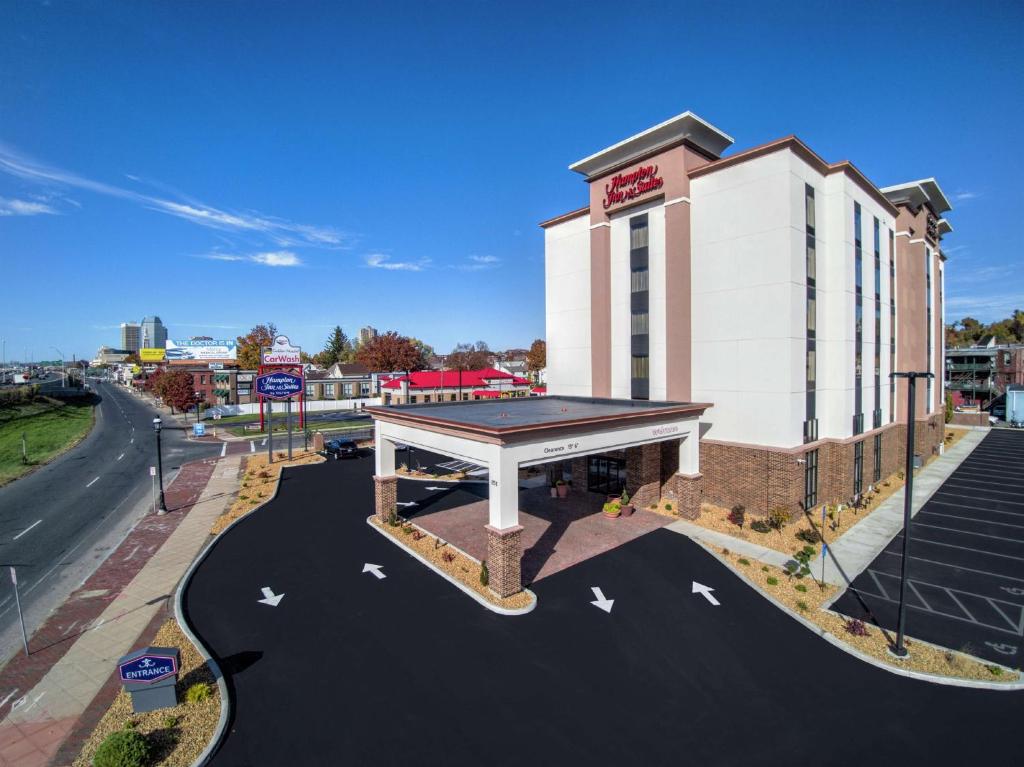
[
  {"x": 957, "y": 567},
  {"x": 224, "y": 450},
  {"x": 93, "y": 482},
  {"x": 966, "y": 532},
  {"x": 263, "y": 442},
  {"x": 26, "y": 529},
  {"x": 10, "y": 695},
  {"x": 252, "y": 446},
  {"x": 970, "y": 519},
  {"x": 965, "y": 548},
  {"x": 120, "y": 456}
]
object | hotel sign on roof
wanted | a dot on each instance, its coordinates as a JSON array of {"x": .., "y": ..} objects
[{"x": 626, "y": 187}]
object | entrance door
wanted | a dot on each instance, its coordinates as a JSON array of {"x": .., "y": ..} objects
[{"x": 605, "y": 475}]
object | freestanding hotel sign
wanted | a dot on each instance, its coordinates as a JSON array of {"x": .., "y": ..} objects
[
  {"x": 149, "y": 675},
  {"x": 279, "y": 385}
]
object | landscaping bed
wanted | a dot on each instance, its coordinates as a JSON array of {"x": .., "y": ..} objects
[
  {"x": 805, "y": 597},
  {"x": 259, "y": 481},
  {"x": 50, "y": 426},
  {"x": 405, "y": 471},
  {"x": 451, "y": 560},
  {"x": 175, "y": 736}
]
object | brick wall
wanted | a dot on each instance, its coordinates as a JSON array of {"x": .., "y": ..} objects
[
  {"x": 504, "y": 559},
  {"x": 385, "y": 491},
  {"x": 643, "y": 474}
]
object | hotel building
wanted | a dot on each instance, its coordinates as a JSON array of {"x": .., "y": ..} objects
[{"x": 780, "y": 288}]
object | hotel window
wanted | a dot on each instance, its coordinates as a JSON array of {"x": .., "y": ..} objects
[
  {"x": 858, "y": 468},
  {"x": 811, "y": 417},
  {"x": 877, "y": 474},
  {"x": 639, "y": 307},
  {"x": 892, "y": 326},
  {"x": 412, "y": 399},
  {"x": 810, "y": 479},
  {"x": 364, "y": 389},
  {"x": 876, "y": 417},
  {"x": 426, "y": 398},
  {"x": 928, "y": 322},
  {"x": 858, "y": 327},
  {"x": 328, "y": 390}
]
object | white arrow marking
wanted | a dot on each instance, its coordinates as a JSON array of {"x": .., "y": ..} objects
[
  {"x": 375, "y": 569},
  {"x": 269, "y": 597},
  {"x": 436, "y": 488},
  {"x": 405, "y": 503},
  {"x": 600, "y": 601},
  {"x": 700, "y": 588},
  {"x": 224, "y": 450},
  {"x": 252, "y": 446}
]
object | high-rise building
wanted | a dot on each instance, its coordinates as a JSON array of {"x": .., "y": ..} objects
[
  {"x": 154, "y": 334},
  {"x": 367, "y": 334},
  {"x": 131, "y": 336}
]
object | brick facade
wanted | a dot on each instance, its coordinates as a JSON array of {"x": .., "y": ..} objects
[
  {"x": 504, "y": 559},
  {"x": 687, "y": 491},
  {"x": 579, "y": 474},
  {"x": 385, "y": 495},
  {"x": 643, "y": 474}
]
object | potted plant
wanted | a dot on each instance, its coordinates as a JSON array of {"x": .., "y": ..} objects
[
  {"x": 612, "y": 509},
  {"x": 561, "y": 488},
  {"x": 624, "y": 505}
]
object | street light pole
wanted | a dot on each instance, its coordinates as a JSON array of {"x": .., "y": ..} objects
[
  {"x": 162, "y": 508},
  {"x": 63, "y": 375},
  {"x": 899, "y": 650}
]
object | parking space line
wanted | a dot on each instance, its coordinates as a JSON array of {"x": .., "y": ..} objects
[
  {"x": 923, "y": 600},
  {"x": 987, "y": 482},
  {"x": 960, "y": 618},
  {"x": 874, "y": 577},
  {"x": 1018, "y": 626},
  {"x": 940, "y": 502},
  {"x": 966, "y": 548},
  {"x": 983, "y": 492},
  {"x": 956, "y": 567},
  {"x": 968, "y": 532},
  {"x": 971, "y": 519},
  {"x": 975, "y": 498},
  {"x": 961, "y": 606}
]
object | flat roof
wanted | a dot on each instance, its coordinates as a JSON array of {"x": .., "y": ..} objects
[
  {"x": 503, "y": 417},
  {"x": 918, "y": 192}
]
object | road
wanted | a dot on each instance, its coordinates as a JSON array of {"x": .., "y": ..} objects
[
  {"x": 354, "y": 668},
  {"x": 58, "y": 523}
]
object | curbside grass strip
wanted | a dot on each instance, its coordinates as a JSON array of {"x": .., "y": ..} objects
[
  {"x": 179, "y": 616},
  {"x": 837, "y": 642},
  {"x": 454, "y": 581}
]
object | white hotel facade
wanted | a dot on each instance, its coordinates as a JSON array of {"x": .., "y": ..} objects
[{"x": 778, "y": 287}]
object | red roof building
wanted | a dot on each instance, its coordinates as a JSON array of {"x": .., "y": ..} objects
[{"x": 447, "y": 385}]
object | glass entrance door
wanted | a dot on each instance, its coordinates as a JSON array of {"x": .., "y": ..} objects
[{"x": 605, "y": 475}]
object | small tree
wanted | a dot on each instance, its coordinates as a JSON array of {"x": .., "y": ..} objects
[
  {"x": 177, "y": 390},
  {"x": 537, "y": 357},
  {"x": 389, "y": 352},
  {"x": 949, "y": 407},
  {"x": 251, "y": 345}
]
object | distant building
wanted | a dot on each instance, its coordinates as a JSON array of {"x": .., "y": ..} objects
[
  {"x": 980, "y": 375},
  {"x": 110, "y": 356},
  {"x": 367, "y": 334},
  {"x": 153, "y": 334},
  {"x": 447, "y": 385},
  {"x": 131, "y": 336}
]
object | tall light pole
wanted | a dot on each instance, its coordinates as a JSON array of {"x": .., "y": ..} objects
[
  {"x": 63, "y": 375},
  {"x": 162, "y": 508},
  {"x": 908, "y": 499}
]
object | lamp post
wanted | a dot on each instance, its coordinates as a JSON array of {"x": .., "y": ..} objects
[
  {"x": 63, "y": 375},
  {"x": 908, "y": 499},
  {"x": 162, "y": 508}
]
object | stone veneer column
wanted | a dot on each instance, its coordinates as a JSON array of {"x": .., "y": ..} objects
[
  {"x": 579, "y": 474},
  {"x": 689, "y": 492},
  {"x": 504, "y": 557},
  {"x": 385, "y": 493},
  {"x": 643, "y": 474}
]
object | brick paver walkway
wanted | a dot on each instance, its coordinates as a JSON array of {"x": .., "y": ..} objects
[{"x": 67, "y": 680}]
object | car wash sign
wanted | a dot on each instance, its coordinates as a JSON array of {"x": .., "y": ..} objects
[
  {"x": 147, "y": 668},
  {"x": 282, "y": 353},
  {"x": 279, "y": 385}
]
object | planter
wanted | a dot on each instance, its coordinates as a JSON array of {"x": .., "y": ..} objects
[
  {"x": 627, "y": 509},
  {"x": 562, "y": 490},
  {"x": 612, "y": 513},
  {"x": 554, "y": 492}
]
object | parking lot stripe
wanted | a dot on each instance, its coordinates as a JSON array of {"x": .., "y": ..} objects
[
  {"x": 961, "y": 606},
  {"x": 965, "y": 548},
  {"x": 956, "y": 567},
  {"x": 968, "y": 532},
  {"x": 974, "y": 498},
  {"x": 933, "y": 501},
  {"x": 971, "y": 519},
  {"x": 985, "y": 482},
  {"x": 986, "y": 491},
  {"x": 1018, "y": 626},
  {"x": 864, "y": 592},
  {"x": 923, "y": 600}
]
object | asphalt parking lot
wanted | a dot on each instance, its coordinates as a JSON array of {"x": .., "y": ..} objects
[
  {"x": 351, "y": 668},
  {"x": 965, "y": 588}
]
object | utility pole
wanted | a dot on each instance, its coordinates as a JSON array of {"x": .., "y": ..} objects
[
  {"x": 162, "y": 508},
  {"x": 908, "y": 500}
]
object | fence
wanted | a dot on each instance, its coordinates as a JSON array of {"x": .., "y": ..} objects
[{"x": 314, "y": 406}]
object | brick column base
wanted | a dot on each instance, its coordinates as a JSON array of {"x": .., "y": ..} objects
[
  {"x": 385, "y": 494},
  {"x": 579, "y": 474},
  {"x": 318, "y": 442},
  {"x": 643, "y": 474},
  {"x": 504, "y": 556},
  {"x": 689, "y": 493}
]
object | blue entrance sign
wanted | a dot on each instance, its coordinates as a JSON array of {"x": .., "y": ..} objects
[
  {"x": 148, "y": 668},
  {"x": 279, "y": 385}
]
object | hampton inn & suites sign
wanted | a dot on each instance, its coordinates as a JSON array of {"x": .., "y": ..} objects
[{"x": 624, "y": 187}]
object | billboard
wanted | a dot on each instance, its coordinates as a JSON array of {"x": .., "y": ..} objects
[
  {"x": 201, "y": 349},
  {"x": 152, "y": 355},
  {"x": 282, "y": 353}
]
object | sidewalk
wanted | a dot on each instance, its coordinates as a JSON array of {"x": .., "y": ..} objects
[
  {"x": 67, "y": 682},
  {"x": 859, "y": 546}
]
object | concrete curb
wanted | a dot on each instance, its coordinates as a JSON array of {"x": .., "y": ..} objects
[
  {"x": 461, "y": 586},
  {"x": 449, "y": 481},
  {"x": 179, "y": 616},
  {"x": 836, "y": 642}
]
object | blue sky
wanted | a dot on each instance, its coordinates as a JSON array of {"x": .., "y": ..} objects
[{"x": 222, "y": 164}]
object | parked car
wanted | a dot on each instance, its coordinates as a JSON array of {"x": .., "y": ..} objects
[{"x": 342, "y": 448}]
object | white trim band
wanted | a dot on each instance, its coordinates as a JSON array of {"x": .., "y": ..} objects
[
  {"x": 677, "y": 199},
  {"x": 603, "y": 223}
]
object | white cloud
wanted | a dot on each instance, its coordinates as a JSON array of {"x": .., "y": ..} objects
[
  {"x": 273, "y": 258},
  {"x": 984, "y": 307},
  {"x": 222, "y": 257},
  {"x": 382, "y": 261},
  {"x": 962, "y": 195},
  {"x": 479, "y": 263},
  {"x": 12, "y": 207},
  {"x": 279, "y": 231}
]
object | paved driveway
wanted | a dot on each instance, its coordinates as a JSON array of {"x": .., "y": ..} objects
[
  {"x": 352, "y": 669},
  {"x": 966, "y": 581}
]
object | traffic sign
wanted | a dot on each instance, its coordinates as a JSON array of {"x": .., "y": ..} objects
[
  {"x": 152, "y": 471},
  {"x": 279, "y": 385}
]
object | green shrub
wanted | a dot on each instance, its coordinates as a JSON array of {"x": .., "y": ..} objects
[
  {"x": 802, "y": 588},
  {"x": 197, "y": 693},
  {"x": 485, "y": 576},
  {"x": 802, "y": 606},
  {"x": 759, "y": 526},
  {"x": 170, "y": 721},
  {"x": 126, "y": 748},
  {"x": 772, "y": 581},
  {"x": 668, "y": 507},
  {"x": 743, "y": 561},
  {"x": 808, "y": 536},
  {"x": 764, "y": 568},
  {"x": 778, "y": 517},
  {"x": 995, "y": 670}
]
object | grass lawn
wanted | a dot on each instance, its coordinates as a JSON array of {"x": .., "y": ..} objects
[{"x": 50, "y": 427}]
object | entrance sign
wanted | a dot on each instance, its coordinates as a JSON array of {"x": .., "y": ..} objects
[
  {"x": 148, "y": 668},
  {"x": 279, "y": 385},
  {"x": 149, "y": 675},
  {"x": 199, "y": 430},
  {"x": 282, "y": 353}
]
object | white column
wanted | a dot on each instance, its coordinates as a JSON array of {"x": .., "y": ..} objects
[
  {"x": 503, "y": 489},
  {"x": 689, "y": 452},
  {"x": 384, "y": 453}
]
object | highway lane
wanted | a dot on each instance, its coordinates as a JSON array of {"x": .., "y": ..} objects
[{"x": 60, "y": 522}]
